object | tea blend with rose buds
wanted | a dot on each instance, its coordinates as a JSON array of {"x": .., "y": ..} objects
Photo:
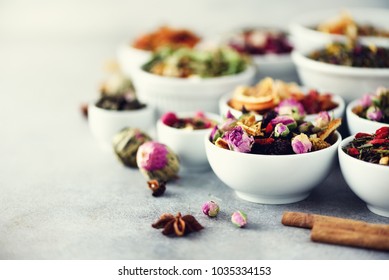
[
  {"x": 275, "y": 134},
  {"x": 374, "y": 107},
  {"x": 372, "y": 148}
]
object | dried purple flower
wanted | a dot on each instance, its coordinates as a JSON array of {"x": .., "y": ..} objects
[
  {"x": 301, "y": 144},
  {"x": 238, "y": 140}
]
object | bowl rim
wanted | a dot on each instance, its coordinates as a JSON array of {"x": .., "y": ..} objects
[
  {"x": 303, "y": 61},
  {"x": 349, "y": 111},
  {"x": 92, "y": 105},
  {"x": 248, "y": 72},
  {"x": 213, "y": 116},
  {"x": 335, "y": 97},
  {"x": 342, "y": 153},
  {"x": 334, "y": 146}
]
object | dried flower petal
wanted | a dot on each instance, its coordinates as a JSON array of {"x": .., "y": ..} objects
[{"x": 382, "y": 133}]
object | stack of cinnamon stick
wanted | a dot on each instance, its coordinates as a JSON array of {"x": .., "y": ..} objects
[{"x": 333, "y": 230}]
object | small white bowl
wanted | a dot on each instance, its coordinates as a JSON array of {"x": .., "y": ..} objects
[
  {"x": 187, "y": 144},
  {"x": 305, "y": 38},
  {"x": 367, "y": 180},
  {"x": 191, "y": 94},
  {"x": 336, "y": 112},
  {"x": 269, "y": 179},
  {"x": 348, "y": 82},
  {"x": 104, "y": 124},
  {"x": 131, "y": 58},
  {"x": 357, "y": 124}
]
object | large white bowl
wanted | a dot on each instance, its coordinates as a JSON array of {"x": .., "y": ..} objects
[
  {"x": 336, "y": 113},
  {"x": 130, "y": 58},
  {"x": 187, "y": 144},
  {"x": 306, "y": 38},
  {"x": 104, "y": 124},
  {"x": 368, "y": 181},
  {"x": 269, "y": 179},
  {"x": 192, "y": 94},
  {"x": 357, "y": 124},
  {"x": 348, "y": 82}
]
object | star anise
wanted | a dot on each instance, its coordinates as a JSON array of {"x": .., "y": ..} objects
[
  {"x": 177, "y": 225},
  {"x": 158, "y": 187}
]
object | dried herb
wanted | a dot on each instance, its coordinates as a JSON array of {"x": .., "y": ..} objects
[{"x": 177, "y": 225}]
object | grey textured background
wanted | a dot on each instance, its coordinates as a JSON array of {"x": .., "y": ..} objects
[{"x": 61, "y": 197}]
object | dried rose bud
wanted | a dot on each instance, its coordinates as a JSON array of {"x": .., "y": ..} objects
[
  {"x": 157, "y": 161},
  {"x": 323, "y": 119},
  {"x": 210, "y": 208},
  {"x": 366, "y": 101},
  {"x": 301, "y": 144},
  {"x": 239, "y": 218},
  {"x": 281, "y": 130},
  {"x": 286, "y": 120},
  {"x": 157, "y": 187},
  {"x": 291, "y": 107},
  {"x": 169, "y": 118},
  {"x": 353, "y": 151},
  {"x": 238, "y": 140},
  {"x": 374, "y": 114}
]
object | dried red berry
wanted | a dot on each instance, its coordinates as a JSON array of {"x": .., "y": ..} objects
[
  {"x": 382, "y": 133},
  {"x": 264, "y": 141},
  {"x": 353, "y": 151},
  {"x": 378, "y": 141},
  {"x": 361, "y": 135},
  {"x": 269, "y": 128}
]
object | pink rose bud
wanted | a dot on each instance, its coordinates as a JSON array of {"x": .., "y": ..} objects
[
  {"x": 238, "y": 140},
  {"x": 169, "y": 118},
  {"x": 239, "y": 218},
  {"x": 210, "y": 208},
  {"x": 286, "y": 120},
  {"x": 291, "y": 107},
  {"x": 322, "y": 119},
  {"x": 281, "y": 130},
  {"x": 366, "y": 100},
  {"x": 301, "y": 144},
  {"x": 374, "y": 114}
]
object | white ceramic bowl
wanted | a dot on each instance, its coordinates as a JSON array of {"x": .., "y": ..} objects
[
  {"x": 357, "y": 124},
  {"x": 368, "y": 181},
  {"x": 348, "y": 82},
  {"x": 336, "y": 113},
  {"x": 130, "y": 58},
  {"x": 305, "y": 38},
  {"x": 269, "y": 179},
  {"x": 104, "y": 124},
  {"x": 179, "y": 95},
  {"x": 187, "y": 144}
]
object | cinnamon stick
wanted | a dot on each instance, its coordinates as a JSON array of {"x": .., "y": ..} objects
[
  {"x": 305, "y": 220},
  {"x": 325, "y": 232}
]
